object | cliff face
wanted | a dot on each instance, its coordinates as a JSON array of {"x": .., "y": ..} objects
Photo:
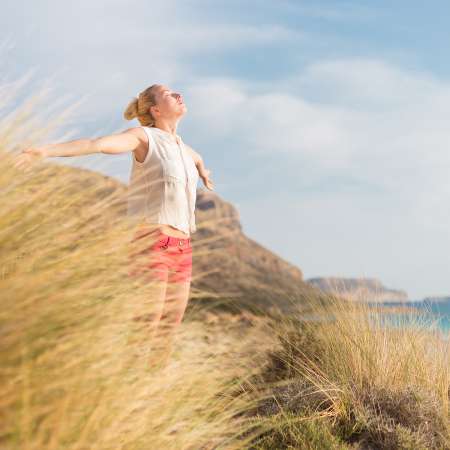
[
  {"x": 360, "y": 289},
  {"x": 221, "y": 218}
]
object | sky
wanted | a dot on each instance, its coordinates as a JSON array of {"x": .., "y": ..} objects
[{"x": 324, "y": 122}]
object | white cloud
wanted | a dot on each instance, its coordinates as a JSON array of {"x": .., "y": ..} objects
[
  {"x": 361, "y": 120},
  {"x": 107, "y": 51},
  {"x": 387, "y": 126},
  {"x": 382, "y": 127}
]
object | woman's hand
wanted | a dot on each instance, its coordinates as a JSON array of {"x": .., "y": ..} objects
[
  {"x": 28, "y": 157},
  {"x": 206, "y": 180}
]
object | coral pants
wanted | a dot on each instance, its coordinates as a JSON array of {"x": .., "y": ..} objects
[{"x": 162, "y": 257}]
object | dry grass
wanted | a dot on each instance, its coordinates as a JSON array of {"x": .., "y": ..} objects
[
  {"x": 75, "y": 371},
  {"x": 372, "y": 385}
]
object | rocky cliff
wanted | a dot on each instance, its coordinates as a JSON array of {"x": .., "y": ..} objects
[{"x": 360, "y": 289}]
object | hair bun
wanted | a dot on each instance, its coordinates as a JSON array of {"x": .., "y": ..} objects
[{"x": 131, "y": 110}]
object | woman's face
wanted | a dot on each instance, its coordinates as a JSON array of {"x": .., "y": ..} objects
[{"x": 170, "y": 103}]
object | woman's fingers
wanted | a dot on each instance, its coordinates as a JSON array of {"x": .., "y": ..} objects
[{"x": 209, "y": 184}]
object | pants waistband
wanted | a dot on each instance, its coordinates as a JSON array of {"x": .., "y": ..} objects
[
  {"x": 172, "y": 240},
  {"x": 169, "y": 240}
]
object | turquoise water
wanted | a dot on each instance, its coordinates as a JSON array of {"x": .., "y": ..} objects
[{"x": 436, "y": 312}]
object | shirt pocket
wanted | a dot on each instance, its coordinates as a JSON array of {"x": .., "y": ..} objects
[{"x": 172, "y": 170}]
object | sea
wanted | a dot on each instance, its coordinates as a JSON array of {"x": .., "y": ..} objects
[{"x": 435, "y": 312}]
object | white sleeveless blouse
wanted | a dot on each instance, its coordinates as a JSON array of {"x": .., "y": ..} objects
[{"x": 163, "y": 188}]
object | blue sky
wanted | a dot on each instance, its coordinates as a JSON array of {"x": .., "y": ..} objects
[{"x": 324, "y": 123}]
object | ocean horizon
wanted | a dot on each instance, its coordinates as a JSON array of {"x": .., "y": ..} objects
[{"x": 432, "y": 311}]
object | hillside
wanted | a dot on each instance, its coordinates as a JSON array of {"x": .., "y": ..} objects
[{"x": 228, "y": 266}]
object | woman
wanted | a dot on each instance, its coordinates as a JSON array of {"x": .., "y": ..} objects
[{"x": 162, "y": 193}]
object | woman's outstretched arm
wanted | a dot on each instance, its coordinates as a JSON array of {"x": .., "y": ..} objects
[
  {"x": 203, "y": 172},
  {"x": 125, "y": 141}
]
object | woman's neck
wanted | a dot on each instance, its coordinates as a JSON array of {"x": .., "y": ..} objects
[{"x": 168, "y": 127}]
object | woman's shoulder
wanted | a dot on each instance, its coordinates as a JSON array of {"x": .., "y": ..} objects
[
  {"x": 148, "y": 144},
  {"x": 138, "y": 132}
]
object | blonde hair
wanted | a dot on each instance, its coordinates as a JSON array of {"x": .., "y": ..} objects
[{"x": 139, "y": 107}]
